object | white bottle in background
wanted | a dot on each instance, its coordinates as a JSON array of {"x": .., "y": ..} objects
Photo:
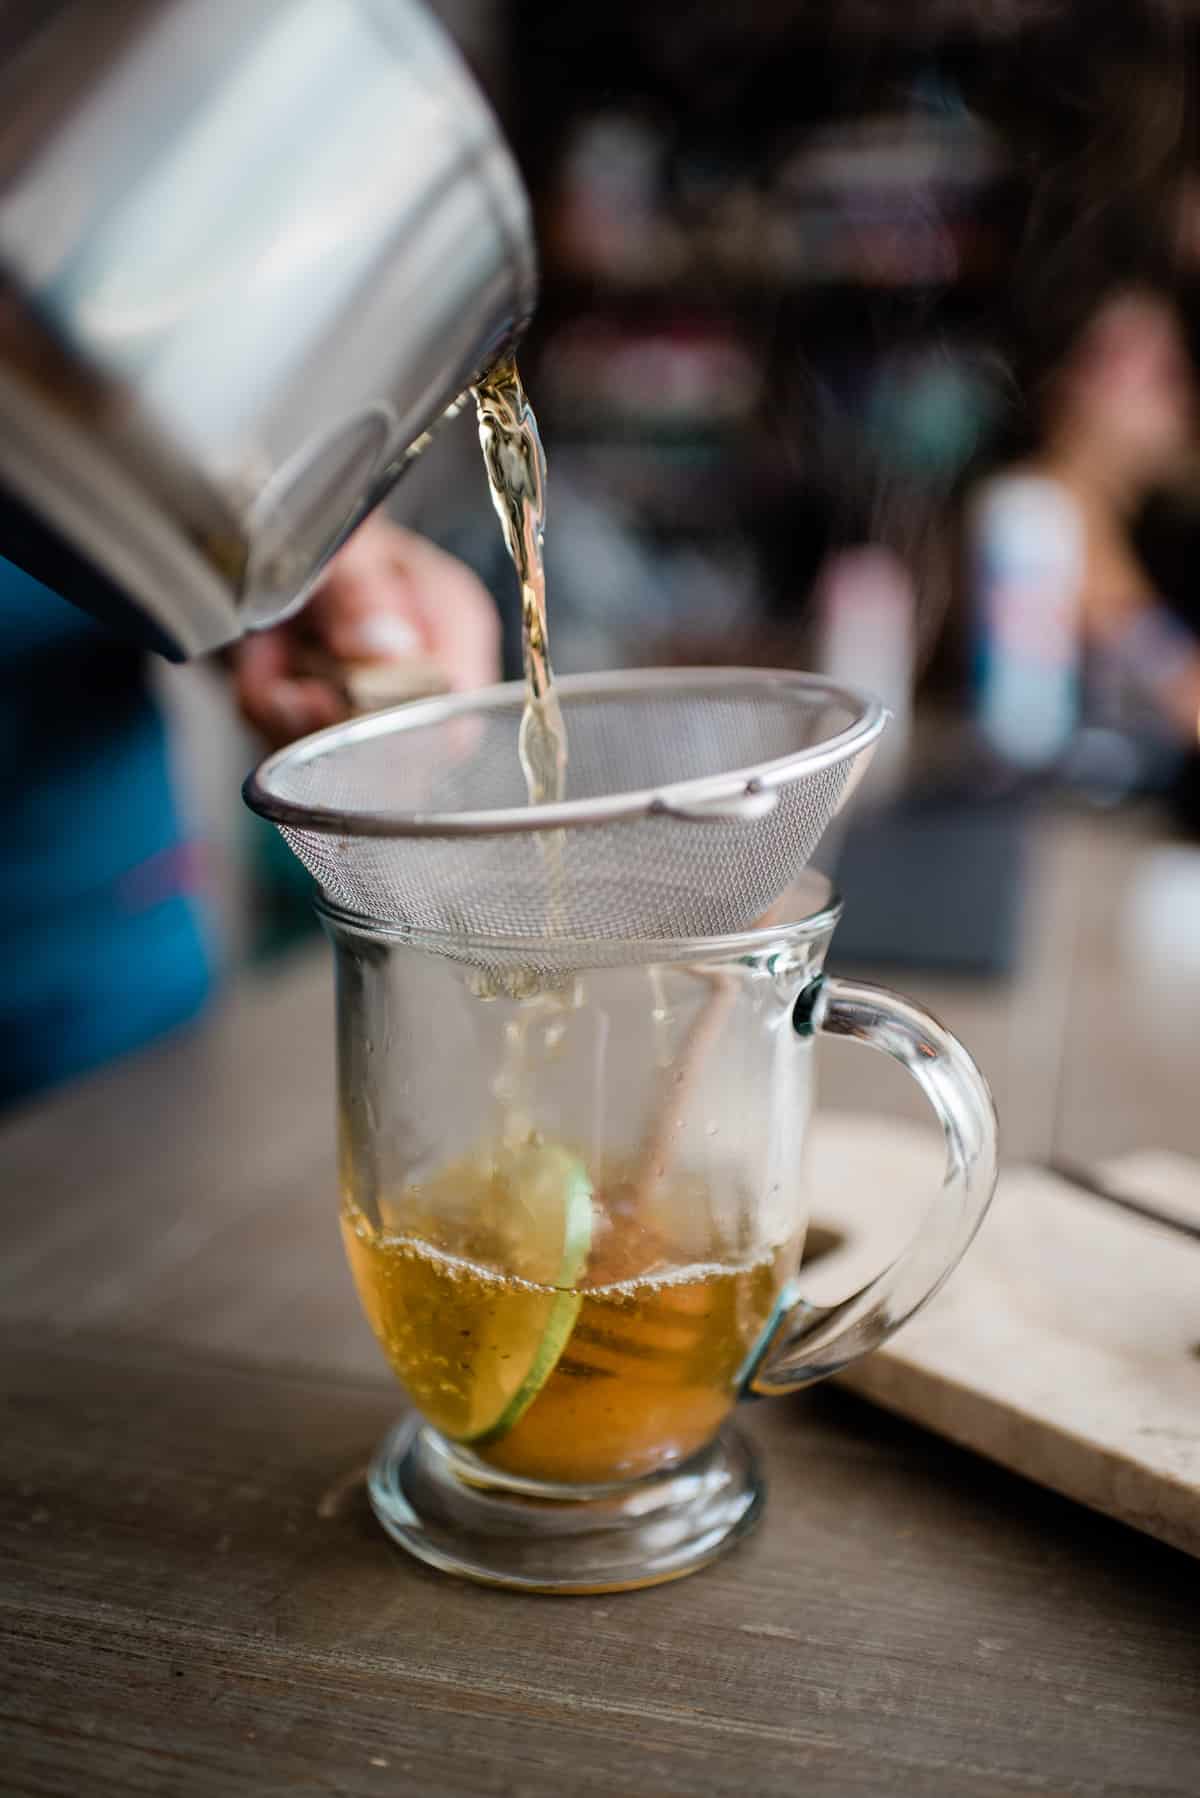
[
  {"x": 866, "y": 610},
  {"x": 1026, "y": 569}
]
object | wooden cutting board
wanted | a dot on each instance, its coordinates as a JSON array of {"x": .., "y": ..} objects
[{"x": 1067, "y": 1344}]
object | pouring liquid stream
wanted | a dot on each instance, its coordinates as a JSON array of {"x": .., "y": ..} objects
[
  {"x": 516, "y": 470},
  {"x": 515, "y": 462}
]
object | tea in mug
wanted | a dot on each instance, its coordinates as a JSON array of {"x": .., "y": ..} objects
[{"x": 558, "y": 1331}]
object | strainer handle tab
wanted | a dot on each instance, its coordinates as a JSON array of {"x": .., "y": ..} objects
[
  {"x": 808, "y": 1342},
  {"x": 746, "y": 807}
]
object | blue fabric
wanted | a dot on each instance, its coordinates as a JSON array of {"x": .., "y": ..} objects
[{"x": 103, "y": 942}]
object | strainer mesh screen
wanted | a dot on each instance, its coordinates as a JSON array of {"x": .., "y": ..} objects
[{"x": 562, "y": 894}]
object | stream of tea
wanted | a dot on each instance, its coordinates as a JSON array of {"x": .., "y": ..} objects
[
  {"x": 515, "y": 462},
  {"x": 516, "y": 472}
]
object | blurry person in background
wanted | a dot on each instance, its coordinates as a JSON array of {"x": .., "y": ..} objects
[
  {"x": 1065, "y": 612},
  {"x": 102, "y": 900}
]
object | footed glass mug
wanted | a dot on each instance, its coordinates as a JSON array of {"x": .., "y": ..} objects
[{"x": 575, "y": 1221}]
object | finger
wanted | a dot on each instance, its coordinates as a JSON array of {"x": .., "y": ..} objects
[
  {"x": 465, "y": 633},
  {"x": 460, "y": 624},
  {"x": 258, "y": 662},
  {"x": 273, "y": 698},
  {"x": 392, "y": 594},
  {"x": 365, "y": 608},
  {"x": 457, "y": 615}
]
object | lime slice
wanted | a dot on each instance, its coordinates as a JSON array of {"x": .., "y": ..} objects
[
  {"x": 470, "y": 1286},
  {"x": 549, "y": 1226}
]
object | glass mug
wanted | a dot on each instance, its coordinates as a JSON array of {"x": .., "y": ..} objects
[{"x": 574, "y": 1217}]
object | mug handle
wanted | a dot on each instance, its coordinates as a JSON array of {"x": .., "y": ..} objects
[{"x": 806, "y": 1342}]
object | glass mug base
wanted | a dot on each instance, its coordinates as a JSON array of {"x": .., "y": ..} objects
[{"x": 458, "y": 1516}]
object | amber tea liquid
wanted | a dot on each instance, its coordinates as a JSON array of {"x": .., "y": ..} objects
[{"x": 648, "y": 1362}]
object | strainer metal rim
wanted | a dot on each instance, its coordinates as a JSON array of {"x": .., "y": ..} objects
[
  {"x": 685, "y": 798},
  {"x": 820, "y": 919}
]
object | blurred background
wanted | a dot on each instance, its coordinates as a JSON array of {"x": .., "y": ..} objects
[{"x": 866, "y": 343}]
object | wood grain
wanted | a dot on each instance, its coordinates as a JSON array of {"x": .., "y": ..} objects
[
  {"x": 1133, "y": 1025},
  {"x": 194, "y": 1600},
  {"x": 190, "y": 1193},
  {"x": 1160, "y": 1178},
  {"x": 1065, "y": 1345}
]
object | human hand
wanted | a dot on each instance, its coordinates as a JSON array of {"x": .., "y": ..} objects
[{"x": 388, "y": 596}]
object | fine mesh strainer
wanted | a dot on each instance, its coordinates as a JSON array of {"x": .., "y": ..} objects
[{"x": 695, "y": 799}]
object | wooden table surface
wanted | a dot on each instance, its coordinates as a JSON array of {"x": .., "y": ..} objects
[{"x": 194, "y": 1598}]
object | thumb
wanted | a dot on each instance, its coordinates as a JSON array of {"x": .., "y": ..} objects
[{"x": 367, "y": 609}]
